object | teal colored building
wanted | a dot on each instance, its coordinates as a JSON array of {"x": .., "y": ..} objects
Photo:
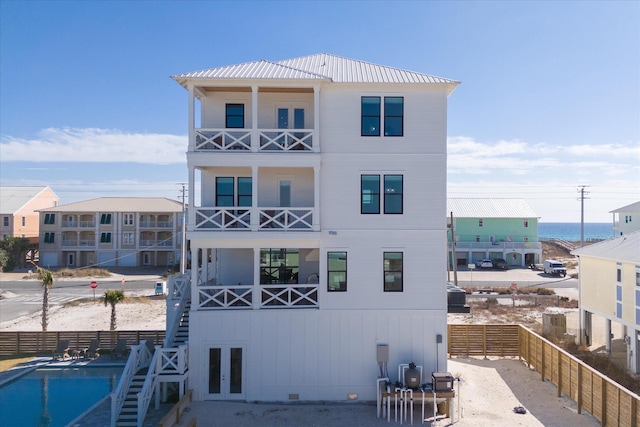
[{"x": 493, "y": 228}]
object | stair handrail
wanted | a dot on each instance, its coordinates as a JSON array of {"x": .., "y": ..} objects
[
  {"x": 175, "y": 313},
  {"x": 136, "y": 360},
  {"x": 148, "y": 387}
]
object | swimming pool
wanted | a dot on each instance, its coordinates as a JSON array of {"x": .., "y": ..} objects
[{"x": 54, "y": 397}]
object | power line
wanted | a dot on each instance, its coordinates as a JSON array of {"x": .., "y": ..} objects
[{"x": 581, "y": 190}]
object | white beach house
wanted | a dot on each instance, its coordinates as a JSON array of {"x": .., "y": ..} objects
[{"x": 317, "y": 227}]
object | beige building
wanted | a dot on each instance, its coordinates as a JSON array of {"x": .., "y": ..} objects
[
  {"x": 626, "y": 219},
  {"x": 610, "y": 288},
  {"x": 112, "y": 231},
  {"x": 19, "y": 210}
]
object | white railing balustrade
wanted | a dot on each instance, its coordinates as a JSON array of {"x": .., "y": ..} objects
[
  {"x": 298, "y": 295},
  {"x": 149, "y": 385},
  {"x": 69, "y": 223},
  {"x": 172, "y": 361},
  {"x": 286, "y": 218},
  {"x": 87, "y": 224},
  {"x": 286, "y": 140},
  {"x": 221, "y": 297},
  {"x": 179, "y": 294},
  {"x": 222, "y": 139},
  {"x": 223, "y": 218},
  {"x": 69, "y": 243},
  {"x": 165, "y": 224},
  {"x": 496, "y": 245}
]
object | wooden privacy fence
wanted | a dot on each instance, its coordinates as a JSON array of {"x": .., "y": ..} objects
[
  {"x": 43, "y": 343},
  {"x": 607, "y": 401}
]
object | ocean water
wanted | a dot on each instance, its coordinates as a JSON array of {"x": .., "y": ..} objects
[{"x": 570, "y": 231}]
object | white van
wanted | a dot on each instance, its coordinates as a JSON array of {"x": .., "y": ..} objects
[{"x": 556, "y": 268}]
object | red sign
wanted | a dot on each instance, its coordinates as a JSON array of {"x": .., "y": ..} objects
[
  {"x": 94, "y": 284},
  {"x": 514, "y": 285}
]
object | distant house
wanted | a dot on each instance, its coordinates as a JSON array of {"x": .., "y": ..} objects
[
  {"x": 610, "y": 287},
  {"x": 112, "y": 231},
  {"x": 19, "y": 210},
  {"x": 626, "y": 219},
  {"x": 494, "y": 228}
]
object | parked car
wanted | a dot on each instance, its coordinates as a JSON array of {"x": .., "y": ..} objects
[
  {"x": 500, "y": 264},
  {"x": 484, "y": 263},
  {"x": 556, "y": 268}
]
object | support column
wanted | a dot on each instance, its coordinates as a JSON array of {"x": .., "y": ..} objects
[
  {"x": 607, "y": 336},
  {"x": 316, "y": 198},
  {"x": 192, "y": 121},
  {"x": 255, "y": 294},
  {"x": 255, "y": 211},
  {"x": 316, "y": 119},
  {"x": 255, "y": 137},
  {"x": 585, "y": 327}
]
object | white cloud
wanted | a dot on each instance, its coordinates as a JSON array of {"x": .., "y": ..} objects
[{"x": 95, "y": 145}]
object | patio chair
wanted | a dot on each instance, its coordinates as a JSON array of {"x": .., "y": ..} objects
[
  {"x": 121, "y": 350},
  {"x": 93, "y": 352},
  {"x": 61, "y": 351}
]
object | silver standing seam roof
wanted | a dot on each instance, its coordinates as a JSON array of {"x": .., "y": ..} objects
[
  {"x": 120, "y": 204},
  {"x": 490, "y": 208},
  {"x": 633, "y": 207},
  {"x": 14, "y": 198},
  {"x": 322, "y": 66},
  {"x": 623, "y": 249}
]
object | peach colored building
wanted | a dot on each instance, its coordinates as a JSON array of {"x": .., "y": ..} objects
[{"x": 19, "y": 207}]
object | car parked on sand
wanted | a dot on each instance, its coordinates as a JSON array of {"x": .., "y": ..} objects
[
  {"x": 484, "y": 263},
  {"x": 500, "y": 264}
]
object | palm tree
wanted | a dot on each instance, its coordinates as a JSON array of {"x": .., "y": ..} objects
[
  {"x": 46, "y": 276},
  {"x": 113, "y": 297}
]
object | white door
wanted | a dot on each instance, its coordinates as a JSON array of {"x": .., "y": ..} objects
[
  {"x": 291, "y": 117},
  {"x": 226, "y": 366}
]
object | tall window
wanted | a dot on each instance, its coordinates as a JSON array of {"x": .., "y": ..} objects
[
  {"x": 618, "y": 275},
  {"x": 234, "y": 116},
  {"x": 393, "y": 194},
  {"x": 127, "y": 238},
  {"x": 480, "y": 222},
  {"x": 226, "y": 193},
  {"x": 370, "y": 124},
  {"x": 5, "y": 221},
  {"x": 24, "y": 221},
  {"x": 336, "y": 271},
  {"x": 393, "y": 115},
  {"x": 392, "y": 271},
  {"x": 370, "y": 194},
  {"x": 105, "y": 218},
  {"x": 127, "y": 219},
  {"x": 105, "y": 238},
  {"x": 244, "y": 191},
  {"x": 49, "y": 237},
  {"x": 279, "y": 265},
  {"x": 50, "y": 218},
  {"x": 526, "y": 223}
]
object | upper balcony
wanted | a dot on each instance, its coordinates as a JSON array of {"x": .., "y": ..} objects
[{"x": 268, "y": 140}]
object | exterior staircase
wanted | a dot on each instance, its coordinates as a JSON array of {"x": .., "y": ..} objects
[
  {"x": 182, "y": 333},
  {"x": 129, "y": 414}
]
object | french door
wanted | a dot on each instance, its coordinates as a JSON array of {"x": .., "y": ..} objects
[{"x": 225, "y": 375}]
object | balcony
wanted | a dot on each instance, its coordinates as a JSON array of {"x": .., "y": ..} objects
[
  {"x": 496, "y": 245},
  {"x": 156, "y": 224},
  {"x": 268, "y": 140},
  {"x": 78, "y": 243},
  {"x": 266, "y": 219},
  {"x": 146, "y": 243},
  {"x": 270, "y": 296}
]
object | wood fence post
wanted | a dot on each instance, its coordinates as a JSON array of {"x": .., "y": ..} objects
[
  {"x": 542, "y": 359},
  {"x": 579, "y": 394},
  {"x": 559, "y": 356}
]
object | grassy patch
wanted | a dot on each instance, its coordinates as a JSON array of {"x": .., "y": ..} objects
[{"x": 82, "y": 272}]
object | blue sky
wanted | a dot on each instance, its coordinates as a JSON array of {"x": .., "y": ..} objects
[{"x": 549, "y": 96}]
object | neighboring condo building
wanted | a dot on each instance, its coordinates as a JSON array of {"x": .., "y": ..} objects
[
  {"x": 112, "y": 231},
  {"x": 494, "y": 228},
  {"x": 19, "y": 210},
  {"x": 317, "y": 227},
  {"x": 610, "y": 288},
  {"x": 626, "y": 219}
]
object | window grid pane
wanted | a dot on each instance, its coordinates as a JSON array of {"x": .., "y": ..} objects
[
  {"x": 393, "y": 200},
  {"x": 370, "y": 116},
  {"x": 224, "y": 191},
  {"x": 393, "y": 115},
  {"x": 370, "y": 194},
  {"x": 393, "y": 272},
  {"x": 336, "y": 271},
  {"x": 235, "y": 116}
]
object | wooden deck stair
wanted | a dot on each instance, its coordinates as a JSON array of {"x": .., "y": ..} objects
[
  {"x": 129, "y": 414},
  {"x": 182, "y": 333}
]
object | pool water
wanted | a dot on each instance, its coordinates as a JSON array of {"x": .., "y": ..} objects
[{"x": 54, "y": 397}]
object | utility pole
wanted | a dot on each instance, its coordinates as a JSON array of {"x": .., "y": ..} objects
[
  {"x": 581, "y": 190},
  {"x": 454, "y": 261},
  {"x": 183, "y": 255}
]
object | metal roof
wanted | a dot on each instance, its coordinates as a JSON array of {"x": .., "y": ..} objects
[
  {"x": 490, "y": 208},
  {"x": 633, "y": 207},
  {"x": 322, "y": 66},
  {"x": 14, "y": 198},
  {"x": 120, "y": 204},
  {"x": 623, "y": 249}
]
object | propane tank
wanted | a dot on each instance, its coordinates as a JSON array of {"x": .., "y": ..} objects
[{"x": 412, "y": 376}]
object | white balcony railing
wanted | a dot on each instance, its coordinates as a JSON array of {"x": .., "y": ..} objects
[
  {"x": 271, "y": 296},
  {"x": 270, "y": 140},
  {"x": 223, "y": 139},
  {"x": 69, "y": 224},
  {"x": 496, "y": 245},
  {"x": 286, "y": 140},
  {"x": 235, "y": 219},
  {"x": 87, "y": 224}
]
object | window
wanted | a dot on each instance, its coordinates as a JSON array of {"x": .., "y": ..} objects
[
  {"x": 393, "y": 115},
  {"x": 127, "y": 219},
  {"x": 225, "y": 194},
  {"x": 480, "y": 222},
  {"x": 5, "y": 221},
  {"x": 234, "y": 116},
  {"x": 50, "y": 218},
  {"x": 618, "y": 275},
  {"x": 105, "y": 238},
  {"x": 279, "y": 266},
  {"x": 105, "y": 219},
  {"x": 526, "y": 223},
  {"x": 127, "y": 238},
  {"x": 336, "y": 271},
  {"x": 49, "y": 237},
  {"x": 392, "y": 271},
  {"x": 370, "y": 125},
  {"x": 393, "y": 194},
  {"x": 637, "y": 278},
  {"x": 370, "y": 194},
  {"x": 24, "y": 221}
]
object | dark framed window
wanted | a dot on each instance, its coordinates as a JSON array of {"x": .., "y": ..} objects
[
  {"x": 105, "y": 218},
  {"x": 370, "y": 194},
  {"x": 336, "y": 271},
  {"x": 224, "y": 191},
  {"x": 244, "y": 191},
  {"x": 49, "y": 237},
  {"x": 393, "y": 115},
  {"x": 480, "y": 222},
  {"x": 5, "y": 221},
  {"x": 618, "y": 275},
  {"x": 393, "y": 194},
  {"x": 279, "y": 265},
  {"x": 24, "y": 221},
  {"x": 105, "y": 238},
  {"x": 370, "y": 122},
  {"x": 392, "y": 271},
  {"x": 234, "y": 116},
  {"x": 50, "y": 218}
]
